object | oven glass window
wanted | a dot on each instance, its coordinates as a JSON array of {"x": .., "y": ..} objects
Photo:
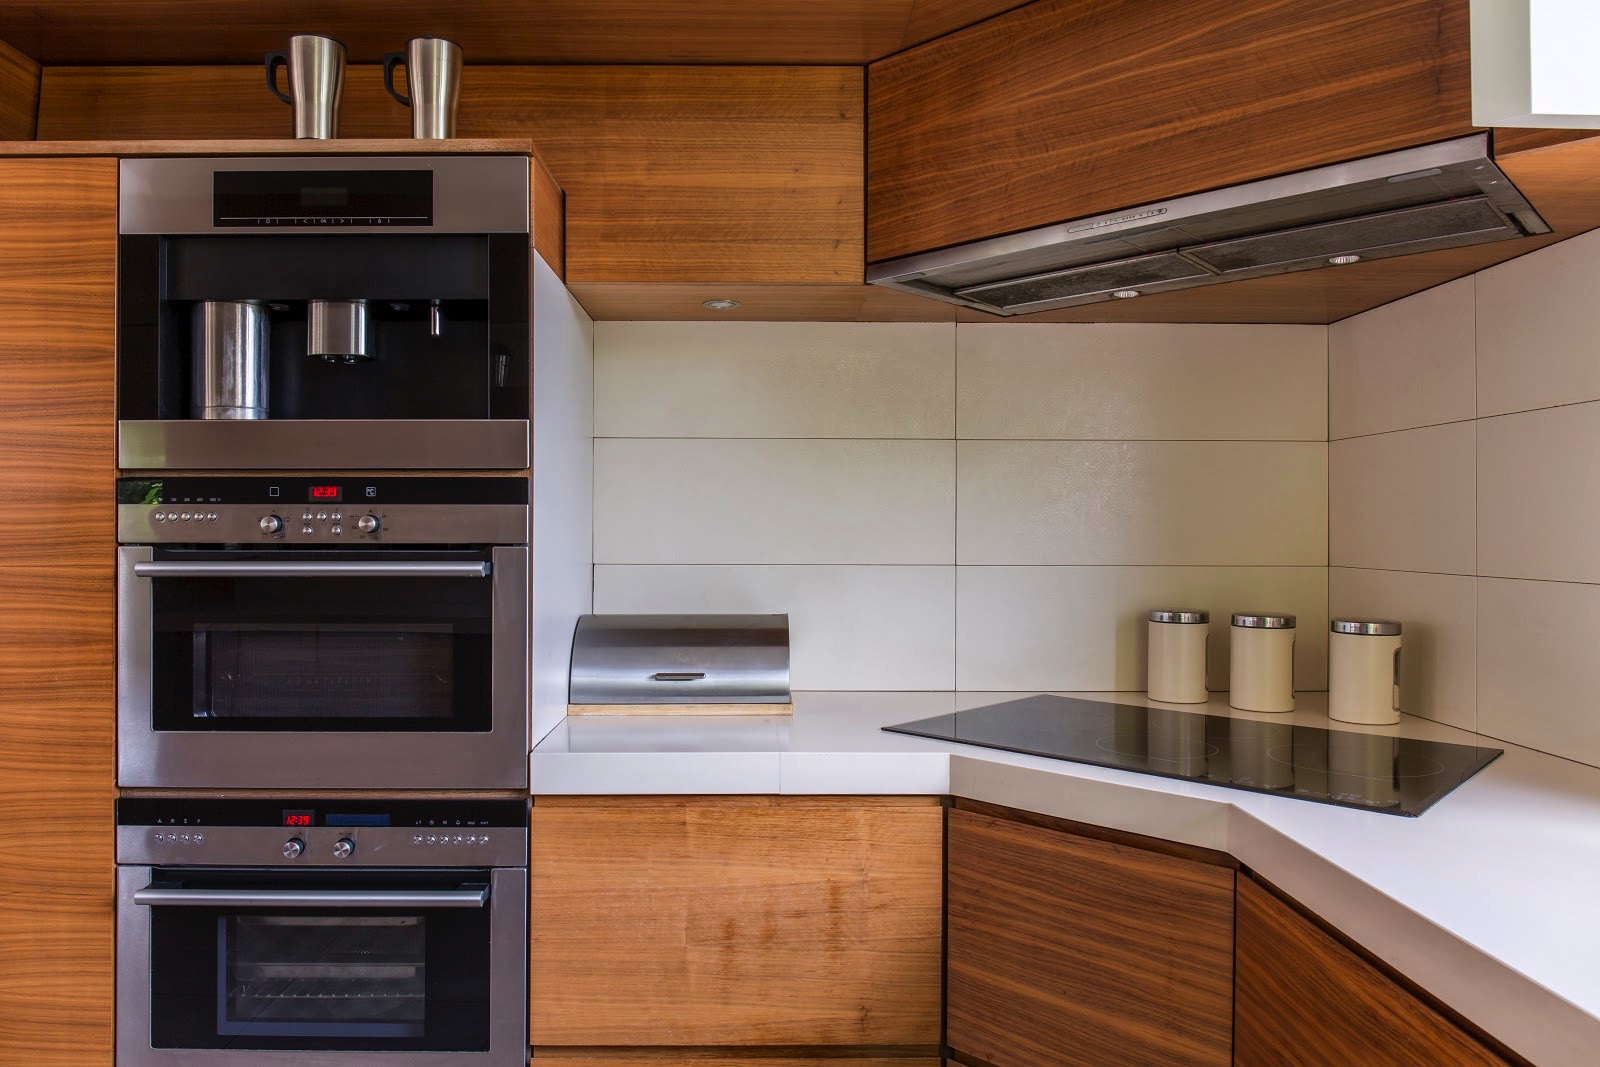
[
  {"x": 360, "y": 979},
  {"x": 294, "y": 653}
]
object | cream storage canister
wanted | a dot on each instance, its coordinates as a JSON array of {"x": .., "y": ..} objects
[
  {"x": 1262, "y": 663},
  {"x": 1177, "y": 661},
  {"x": 1364, "y": 671}
]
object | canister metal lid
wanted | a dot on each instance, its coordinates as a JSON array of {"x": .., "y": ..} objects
[
  {"x": 1367, "y": 627},
  {"x": 1265, "y": 622},
  {"x": 1166, "y": 615}
]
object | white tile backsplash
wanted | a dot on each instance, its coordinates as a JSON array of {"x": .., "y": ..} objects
[
  {"x": 1142, "y": 502},
  {"x": 1142, "y": 382},
  {"x": 1539, "y": 328},
  {"x": 1439, "y": 641},
  {"x": 1539, "y": 494},
  {"x": 1084, "y": 628},
  {"x": 850, "y": 627},
  {"x": 1404, "y": 500},
  {"x": 774, "y": 379},
  {"x": 1405, "y": 364},
  {"x": 770, "y": 501},
  {"x": 1538, "y": 674}
]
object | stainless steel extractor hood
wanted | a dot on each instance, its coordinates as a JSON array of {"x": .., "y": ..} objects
[{"x": 1444, "y": 195}]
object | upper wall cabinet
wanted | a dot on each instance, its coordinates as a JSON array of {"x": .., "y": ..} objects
[{"x": 1067, "y": 108}]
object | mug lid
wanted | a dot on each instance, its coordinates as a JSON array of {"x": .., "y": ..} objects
[
  {"x": 1265, "y": 622},
  {"x": 1168, "y": 615},
  {"x": 1366, "y": 627}
]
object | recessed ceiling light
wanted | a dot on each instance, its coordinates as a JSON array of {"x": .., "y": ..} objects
[
  {"x": 720, "y": 304},
  {"x": 1124, "y": 294},
  {"x": 1340, "y": 261}
]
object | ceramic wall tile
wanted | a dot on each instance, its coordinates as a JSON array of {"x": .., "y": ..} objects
[
  {"x": 1538, "y": 504},
  {"x": 1539, "y": 328},
  {"x": 1404, "y": 500}
]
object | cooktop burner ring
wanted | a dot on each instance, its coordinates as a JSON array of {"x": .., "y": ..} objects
[
  {"x": 1108, "y": 744},
  {"x": 1436, "y": 768}
]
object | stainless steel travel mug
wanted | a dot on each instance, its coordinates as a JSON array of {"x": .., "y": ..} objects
[
  {"x": 316, "y": 83},
  {"x": 338, "y": 330},
  {"x": 229, "y": 371},
  {"x": 433, "y": 76}
]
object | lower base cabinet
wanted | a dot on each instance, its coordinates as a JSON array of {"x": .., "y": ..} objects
[
  {"x": 1304, "y": 998},
  {"x": 1068, "y": 950},
  {"x": 695, "y": 930}
]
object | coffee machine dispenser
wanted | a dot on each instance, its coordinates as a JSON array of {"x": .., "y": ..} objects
[{"x": 380, "y": 311}]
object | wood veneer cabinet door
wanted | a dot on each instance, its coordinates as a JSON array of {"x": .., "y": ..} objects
[
  {"x": 1304, "y": 998},
  {"x": 58, "y": 230},
  {"x": 1068, "y": 950},
  {"x": 735, "y": 921}
]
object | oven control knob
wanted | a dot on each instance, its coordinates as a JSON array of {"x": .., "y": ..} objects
[
  {"x": 344, "y": 848},
  {"x": 292, "y": 848},
  {"x": 271, "y": 524},
  {"x": 367, "y": 523}
]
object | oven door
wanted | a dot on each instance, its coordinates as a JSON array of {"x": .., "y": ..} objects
[
  {"x": 260, "y": 968},
  {"x": 316, "y": 669}
]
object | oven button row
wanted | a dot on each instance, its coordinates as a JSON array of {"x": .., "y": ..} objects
[
  {"x": 180, "y": 839},
  {"x": 186, "y": 516},
  {"x": 449, "y": 839}
]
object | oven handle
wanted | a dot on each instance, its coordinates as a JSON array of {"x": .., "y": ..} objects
[
  {"x": 267, "y": 569},
  {"x": 156, "y": 896}
]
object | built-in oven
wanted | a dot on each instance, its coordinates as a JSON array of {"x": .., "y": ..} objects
[
  {"x": 321, "y": 933},
  {"x": 323, "y": 633}
]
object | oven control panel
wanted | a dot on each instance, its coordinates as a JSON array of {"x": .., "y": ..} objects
[
  {"x": 322, "y": 511},
  {"x": 322, "y": 833}
]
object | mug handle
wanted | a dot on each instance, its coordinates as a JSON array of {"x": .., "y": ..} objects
[
  {"x": 274, "y": 61},
  {"x": 390, "y": 61}
]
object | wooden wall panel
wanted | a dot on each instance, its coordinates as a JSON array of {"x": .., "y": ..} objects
[
  {"x": 1069, "y": 951},
  {"x": 1066, "y": 108},
  {"x": 19, "y": 94},
  {"x": 1305, "y": 998},
  {"x": 58, "y": 231},
  {"x": 671, "y": 174},
  {"x": 736, "y": 921},
  {"x": 711, "y": 1058}
]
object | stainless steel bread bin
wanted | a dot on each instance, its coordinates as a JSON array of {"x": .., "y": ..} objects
[{"x": 661, "y": 663}]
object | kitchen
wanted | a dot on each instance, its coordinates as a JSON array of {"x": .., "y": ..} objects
[{"x": 618, "y": 314}]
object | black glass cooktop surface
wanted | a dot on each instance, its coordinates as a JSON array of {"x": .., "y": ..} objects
[{"x": 1373, "y": 772}]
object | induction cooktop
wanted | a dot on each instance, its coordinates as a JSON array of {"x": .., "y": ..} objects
[{"x": 1370, "y": 771}]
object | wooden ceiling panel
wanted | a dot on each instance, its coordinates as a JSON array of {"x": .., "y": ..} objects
[
  {"x": 19, "y": 94},
  {"x": 490, "y": 31}
]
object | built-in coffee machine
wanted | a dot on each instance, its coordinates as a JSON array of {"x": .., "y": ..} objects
[{"x": 314, "y": 312}]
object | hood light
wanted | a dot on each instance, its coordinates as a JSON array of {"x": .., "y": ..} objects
[
  {"x": 1340, "y": 261},
  {"x": 1124, "y": 294},
  {"x": 721, "y": 304}
]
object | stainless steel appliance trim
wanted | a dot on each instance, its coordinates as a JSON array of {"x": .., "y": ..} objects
[
  {"x": 398, "y": 524},
  {"x": 508, "y": 993},
  {"x": 471, "y": 194},
  {"x": 156, "y": 896},
  {"x": 1366, "y": 627},
  {"x": 323, "y": 444},
  {"x": 388, "y": 846},
  {"x": 270, "y": 569},
  {"x": 496, "y": 759}
]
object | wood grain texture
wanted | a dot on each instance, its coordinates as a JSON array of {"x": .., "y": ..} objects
[
  {"x": 1102, "y": 833},
  {"x": 695, "y": 921},
  {"x": 490, "y": 31},
  {"x": 1066, "y": 950},
  {"x": 757, "y": 303},
  {"x": 680, "y": 709},
  {"x": 1067, "y": 108},
  {"x": 1304, "y": 998},
  {"x": 671, "y": 174},
  {"x": 548, "y": 217},
  {"x": 935, "y": 18},
  {"x": 19, "y": 94},
  {"x": 58, "y": 228},
  {"x": 716, "y": 1058}
]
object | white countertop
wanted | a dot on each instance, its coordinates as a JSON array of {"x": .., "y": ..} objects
[{"x": 1490, "y": 900}]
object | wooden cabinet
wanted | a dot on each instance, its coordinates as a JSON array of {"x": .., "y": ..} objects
[
  {"x": 1305, "y": 998},
  {"x": 609, "y": 1058},
  {"x": 19, "y": 94},
  {"x": 58, "y": 231},
  {"x": 1068, "y": 950},
  {"x": 1066, "y": 108},
  {"x": 735, "y": 922}
]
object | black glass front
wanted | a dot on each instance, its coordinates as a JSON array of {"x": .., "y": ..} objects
[
  {"x": 408, "y": 979},
  {"x": 320, "y": 653},
  {"x": 322, "y": 198},
  {"x": 1374, "y": 772}
]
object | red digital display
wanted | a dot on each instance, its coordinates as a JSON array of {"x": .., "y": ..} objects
[
  {"x": 327, "y": 492},
  {"x": 298, "y": 818}
]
